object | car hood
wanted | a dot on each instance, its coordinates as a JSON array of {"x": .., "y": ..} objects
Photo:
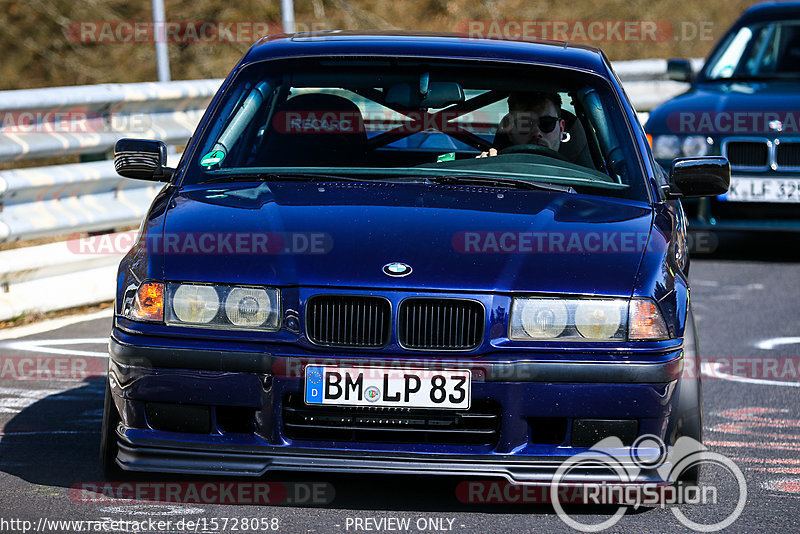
[
  {"x": 341, "y": 234},
  {"x": 728, "y": 109}
]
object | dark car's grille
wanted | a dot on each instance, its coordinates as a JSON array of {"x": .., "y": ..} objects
[
  {"x": 440, "y": 324},
  {"x": 480, "y": 425},
  {"x": 348, "y": 321},
  {"x": 788, "y": 155},
  {"x": 747, "y": 153}
]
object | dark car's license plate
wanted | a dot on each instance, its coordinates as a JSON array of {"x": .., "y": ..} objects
[{"x": 747, "y": 189}]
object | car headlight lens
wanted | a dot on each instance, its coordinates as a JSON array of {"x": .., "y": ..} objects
[
  {"x": 695, "y": 145},
  {"x": 666, "y": 147},
  {"x": 247, "y": 306},
  {"x": 670, "y": 147},
  {"x": 194, "y": 303},
  {"x": 573, "y": 319},
  {"x": 543, "y": 318},
  {"x": 598, "y": 319},
  {"x": 222, "y": 306}
]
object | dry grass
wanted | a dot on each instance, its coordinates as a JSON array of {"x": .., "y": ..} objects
[
  {"x": 38, "y": 50},
  {"x": 35, "y": 317},
  {"x": 9, "y": 245}
]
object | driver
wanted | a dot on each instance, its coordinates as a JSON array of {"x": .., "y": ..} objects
[{"x": 533, "y": 119}]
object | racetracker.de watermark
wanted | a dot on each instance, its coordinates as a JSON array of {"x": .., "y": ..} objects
[
  {"x": 652, "y": 494},
  {"x": 76, "y": 120},
  {"x": 202, "y": 492},
  {"x": 204, "y": 243},
  {"x": 531, "y": 242},
  {"x": 743, "y": 122},
  {"x": 589, "y": 31},
  {"x": 425, "y": 368},
  {"x": 732, "y": 368},
  {"x": 181, "y": 32},
  {"x": 312, "y": 122},
  {"x": 50, "y": 367}
]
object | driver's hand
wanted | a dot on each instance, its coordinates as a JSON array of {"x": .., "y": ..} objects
[{"x": 492, "y": 152}]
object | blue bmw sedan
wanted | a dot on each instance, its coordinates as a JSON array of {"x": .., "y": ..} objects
[{"x": 405, "y": 254}]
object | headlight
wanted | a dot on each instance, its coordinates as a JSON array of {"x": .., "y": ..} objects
[
  {"x": 666, "y": 146},
  {"x": 695, "y": 145},
  {"x": 220, "y": 306},
  {"x": 193, "y": 303},
  {"x": 572, "y": 319},
  {"x": 670, "y": 147},
  {"x": 543, "y": 318},
  {"x": 598, "y": 319},
  {"x": 248, "y": 306}
]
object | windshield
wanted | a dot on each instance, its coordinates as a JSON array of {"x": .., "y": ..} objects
[
  {"x": 392, "y": 119},
  {"x": 761, "y": 51}
]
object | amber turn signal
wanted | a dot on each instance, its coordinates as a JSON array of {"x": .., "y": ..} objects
[{"x": 149, "y": 302}]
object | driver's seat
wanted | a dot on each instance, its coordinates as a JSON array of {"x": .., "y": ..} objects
[{"x": 575, "y": 150}]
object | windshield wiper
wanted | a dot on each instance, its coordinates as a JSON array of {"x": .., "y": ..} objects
[
  {"x": 277, "y": 176},
  {"x": 512, "y": 183},
  {"x": 470, "y": 179}
]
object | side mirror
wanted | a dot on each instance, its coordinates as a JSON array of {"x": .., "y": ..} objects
[
  {"x": 679, "y": 70},
  {"x": 699, "y": 177},
  {"x": 142, "y": 159}
]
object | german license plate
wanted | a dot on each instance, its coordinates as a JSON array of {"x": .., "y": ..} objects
[
  {"x": 750, "y": 189},
  {"x": 377, "y": 386}
]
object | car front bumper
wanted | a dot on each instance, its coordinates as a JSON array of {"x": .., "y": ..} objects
[{"x": 256, "y": 388}]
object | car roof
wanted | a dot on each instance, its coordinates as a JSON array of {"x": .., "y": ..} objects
[
  {"x": 767, "y": 11},
  {"x": 429, "y": 45}
]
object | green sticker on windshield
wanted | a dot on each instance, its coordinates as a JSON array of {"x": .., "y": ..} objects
[
  {"x": 450, "y": 156},
  {"x": 212, "y": 158}
]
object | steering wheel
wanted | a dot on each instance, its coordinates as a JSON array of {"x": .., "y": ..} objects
[{"x": 538, "y": 150}]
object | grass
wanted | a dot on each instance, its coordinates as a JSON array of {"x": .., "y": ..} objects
[{"x": 42, "y": 45}]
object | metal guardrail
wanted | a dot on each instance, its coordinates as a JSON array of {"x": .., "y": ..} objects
[
  {"x": 89, "y": 119},
  {"x": 89, "y": 197},
  {"x": 82, "y": 197},
  {"x": 86, "y": 121}
]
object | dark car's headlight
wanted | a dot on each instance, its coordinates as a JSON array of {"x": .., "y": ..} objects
[
  {"x": 670, "y": 147},
  {"x": 207, "y": 305},
  {"x": 590, "y": 319}
]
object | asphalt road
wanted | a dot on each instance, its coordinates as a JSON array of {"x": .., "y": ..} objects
[{"x": 746, "y": 298}]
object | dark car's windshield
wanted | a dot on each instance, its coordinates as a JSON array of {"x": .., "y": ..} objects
[
  {"x": 394, "y": 119},
  {"x": 760, "y": 51}
]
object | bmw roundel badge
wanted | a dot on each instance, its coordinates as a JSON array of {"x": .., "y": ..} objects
[{"x": 397, "y": 269}]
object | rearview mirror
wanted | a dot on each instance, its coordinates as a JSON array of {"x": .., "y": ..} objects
[
  {"x": 425, "y": 95},
  {"x": 699, "y": 177},
  {"x": 679, "y": 70},
  {"x": 142, "y": 159}
]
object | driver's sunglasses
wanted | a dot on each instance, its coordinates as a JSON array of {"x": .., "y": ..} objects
[
  {"x": 547, "y": 123},
  {"x": 525, "y": 123}
]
